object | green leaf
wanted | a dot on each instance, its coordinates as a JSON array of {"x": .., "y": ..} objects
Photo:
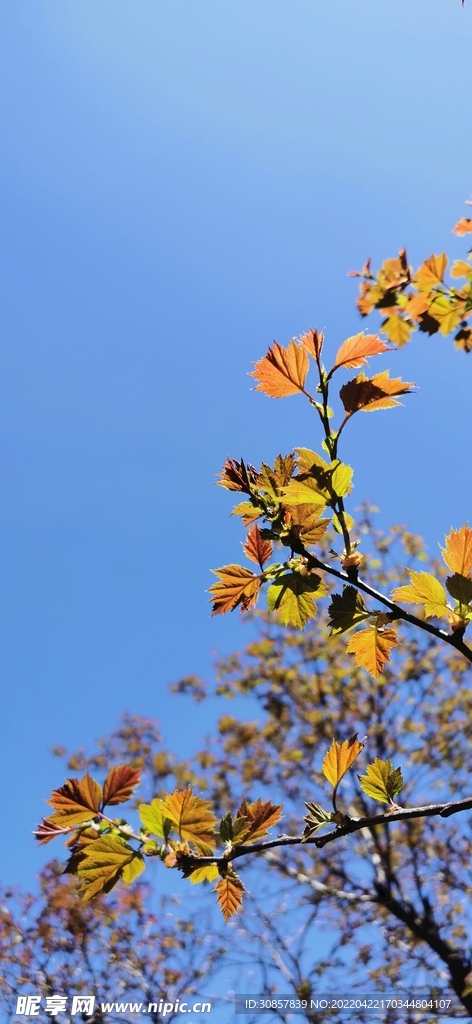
[
  {"x": 315, "y": 819},
  {"x": 346, "y": 610},
  {"x": 207, "y": 873},
  {"x": 103, "y": 863},
  {"x": 133, "y": 869},
  {"x": 381, "y": 781},
  {"x": 349, "y": 521},
  {"x": 153, "y": 818},
  {"x": 292, "y": 595}
]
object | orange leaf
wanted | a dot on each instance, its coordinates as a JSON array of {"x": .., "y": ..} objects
[
  {"x": 192, "y": 817},
  {"x": 372, "y": 647},
  {"x": 230, "y": 891},
  {"x": 282, "y": 371},
  {"x": 463, "y": 226},
  {"x": 397, "y": 329},
  {"x": 236, "y": 476},
  {"x": 373, "y": 393},
  {"x": 417, "y": 304},
  {"x": 76, "y": 801},
  {"x": 355, "y": 351},
  {"x": 457, "y": 553},
  {"x": 260, "y": 815},
  {"x": 257, "y": 549},
  {"x": 431, "y": 272},
  {"x": 312, "y": 342},
  {"x": 237, "y": 586},
  {"x": 339, "y": 759},
  {"x": 119, "y": 784}
]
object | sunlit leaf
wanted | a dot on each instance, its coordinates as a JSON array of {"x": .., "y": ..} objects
[
  {"x": 293, "y": 596},
  {"x": 207, "y": 873},
  {"x": 248, "y": 512},
  {"x": 119, "y": 784},
  {"x": 236, "y": 476},
  {"x": 340, "y": 758},
  {"x": 153, "y": 818},
  {"x": 192, "y": 817},
  {"x": 305, "y": 523},
  {"x": 398, "y": 330},
  {"x": 457, "y": 552},
  {"x": 237, "y": 586},
  {"x": 378, "y": 392},
  {"x": 230, "y": 891},
  {"x": 282, "y": 371},
  {"x": 259, "y": 816},
  {"x": 355, "y": 351},
  {"x": 463, "y": 226},
  {"x": 103, "y": 863},
  {"x": 424, "y": 589},
  {"x": 76, "y": 801},
  {"x": 312, "y": 342},
  {"x": 461, "y": 269},
  {"x": 257, "y": 549},
  {"x": 431, "y": 272},
  {"x": 315, "y": 819},
  {"x": 346, "y": 610},
  {"x": 372, "y": 647},
  {"x": 381, "y": 781}
]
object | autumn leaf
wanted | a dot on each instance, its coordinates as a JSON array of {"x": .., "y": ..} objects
[
  {"x": 207, "y": 873},
  {"x": 457, "y": 552},
  {"x": 312, "y": 342},
  {"x": 381, "y": 781},
  {"x": 119, "y": 784},
  {"x": 397, "y": 329},
  {"x": 76, "y": 801},
  {"x": 378, "y": 392},
  {"x": 318, "y": 480},
  {"x": 372, "y": 647},
  {"x": 259, "y": 817},
  {"x": 424, "y": 589},
  {"x": 104, "y": 862},
  {"x": 339, "y": 759},
  {"x": 446, "y": 313},
  {"x": 346, "y": 610},
  {"x": 248, "y": 512},
  {"x": 237, "y": 586},
  {"x": 431, "y": 273},
  {"x": 257, "y": 549},
  {"x": 463, "y": 226},
  {"x": 273, "y": 479},
  {"x": 48, "y": 830},
  {"x": 460, "y": 588},
  {"x": 154, "y": 819},
  {"x": 355, "y": 351},
  {"x": 461, "y": 269},
  {"x": 282, "y": 371},
  {"x": 236, "y": 476},
  {"x": 193, "y": 819},
  {"x": 315, "y": 819},
  {"x": 304, "y": 523},
  {"x": 293, "y": 596},
  {"x": 230, "y": 891}
]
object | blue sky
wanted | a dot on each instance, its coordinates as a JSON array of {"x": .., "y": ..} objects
[{"x": 181, "y": 184}]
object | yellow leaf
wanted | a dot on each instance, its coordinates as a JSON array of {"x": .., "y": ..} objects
[
  {"x": 397, "y": 330},
  {"x": 381, "y": 781},
  {"x": 431, "y": 273},
  {"x": 153, "y": 818},
  {"x": 424, "y": 589},
  {"x": 282, "y": 371},
  {"x": 355, "y": 351},
  {"x": 192, "y": 818},
  {"x": 457, "y": 553},
  {"x": 378, "y": 392},
  {"x": 463, "y": 226},
  {"x": 103, "y": 863},
  {"x": 230, "y": 891},
  {"x": 446, "y": 313},
  {"x": 372, "y": 647},
  {"x": 248, "y": 512},
  {"x": 417, "y": 304},
  {"x": 293, "y": 596},
  {"x": 461, "y": 269},
  {"x": 237, "y": 586},
  {"x": 304, "y": 522},
  {"x": 207, "y": 873},
  {"x": 340, "y": 758}
]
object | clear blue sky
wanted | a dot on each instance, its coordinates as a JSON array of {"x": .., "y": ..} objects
[{"x": 180, "y": 184}]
